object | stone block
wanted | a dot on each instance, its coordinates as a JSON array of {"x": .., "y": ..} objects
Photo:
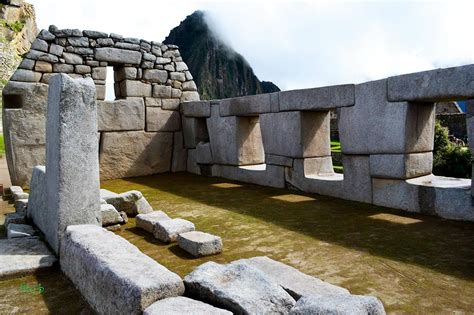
[
  {"x": 158, "y": 119},
  {"x": 20, "y": 195},
  {"x": 203, "y": 153},
  {"x": 245, "y": 106},
  {"x": 99, "y": 73},
  {"x": 40, "y": 55},
  {"x": 24, "y": 128},
  {"x": 181, "y": 66},
  {"x": 20, "y": 230},
  {"x": 155, "y": 76},
  {"x": 118, "y": 56},
  {"x": 24, "y": 255},
  {"x": 121, "y": 115},
  {"x": 177, "y": 93},
  {"x": 127, "y": 46},
  {"x": 21, "y": 205},
  {"x": 194, "y": 131},
  {"x": 16, "y": 218},
  {"x": 375, "y": 126},
  {"x": 46, "y": 35},
  {"x": 178, "y": 76},
  {"x": 100, "y": 92},
  {"x": 71, "y": 156},
  {"x": 278, "y": 160},
  {"x": 338, "y": 304},
  {"x": 170, "y": 103},
  {"x": 82, "y": 69},
  {"x": 449, "y": 84},
  {"x": 395, "y": 193},
  {"x": 38, "y": 211},
  {"x": 296, "y": 134},
  {"x": 147, "y": 221},
  {"x": 23, "y": 75},
  {"x": 27, "y": 64},
  {"x": 63, "y": 68},
  {"x": 153, "y": 102},
  {"x": 135, "y": 153},
  {"x": 114, "y": 276},
  {"x": 189, "y": 86},
  {"x": 180, "y": 154},
  {"x": 196, "y": 109},
  {"x": 43, "y": 66},
  {"x": 296, "y": 283},
  {"x": 401, "y": 166},
  {"x": 235, "y": 140},
  {"x": 110, "y": 216},
  {"x": 200, "y": 244},
  {"x": 162, "y": 91},
  {"x": 95, "y": 34},
  {"x": 191, "y": 163},
  {"x": 167, "y": 231},
  {"x": 131, "y": 202},
  {"x": 238, "y": 287},
  {"x": 183, "y": 305},
  {"x": 189, "y": 96},
  {"x": 135, "y": 88},
  {"x": 72, "y": 59},
  {"x": 125, "y": 73},
  {"x": 261, "y": 174},
  {"x": 39, "y": 44},
  {"x": 323, "y": 98},
  {"x": 318, "y": 166}
]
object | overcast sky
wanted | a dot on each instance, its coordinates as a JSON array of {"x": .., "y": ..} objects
[{"x": 297, "y": 44}]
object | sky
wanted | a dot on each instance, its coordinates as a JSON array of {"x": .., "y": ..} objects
[{"x": 297, "y": 44}]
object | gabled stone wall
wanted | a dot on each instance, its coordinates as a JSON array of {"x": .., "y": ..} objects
[{"x": 140, "y": 132}]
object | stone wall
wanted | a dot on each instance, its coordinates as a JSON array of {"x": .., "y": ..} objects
[
  {"x": 386, "y": 129},
  {"x": 140, "y": 132}
]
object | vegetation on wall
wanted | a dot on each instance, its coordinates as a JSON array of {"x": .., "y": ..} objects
[{"x": 450, "y": 159}]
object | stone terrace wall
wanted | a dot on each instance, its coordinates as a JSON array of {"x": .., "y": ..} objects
[
  {"x": 386, "y": 128},
  {"x": 140, "y": 132}
]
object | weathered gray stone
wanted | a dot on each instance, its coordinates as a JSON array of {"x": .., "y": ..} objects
[
  {"x": 180, "y": 154},
  {"x": 71, "y": 156},
  {"x": 203, "y": 153},
  {"x": 19, "y": 195},
  {"x": 375, "y": 126},
  {"x": 450, "y": 84},
  {"x": 309, "y": 133},
  {"x": 78, "y": 41},
  {"x": 121, "y": 115},
  {"x": 178, "y": 76},
  {"x": 183, "y": 305},
  {"x": 260, "y": 174},
  {"x": 37, "y": 208},
  {"x": 239, "y": 288},
  {"x": 82, "y": 69},
  {"x": 105, "y": 42},
  {"x": 200, "y": 244},
  {"x": 116, "y": 55},
  {"x": 95, "y": 34},
  {"x": 155, "y": 76},
  {"x": 189, "y": 86},
  {"x": 20, "y": 230},
  {"x": 135, "y": 88},
  {"x": 39, "y": 44},
  {"x": 170, "y": 103},
  {"x": 26, "y": 76},
  {"x": 296, "y": 283},
  {"x": 246, "y": 148},
  {"x": 196, "y": 109},
  {"x": 327, "y": 97},
  {"x": 43, "y": 66},
  {"x": 176, "y": 93},
  {"x": 16, "y": 190},
  {"x": 67, "y": 32},
  {"x": 162, "y": 91},
  {"x": 24, "y": 255},
  {"x": 99, "y": 73},
  {"x": 194, "y": 131},
  {"x": 278, "y": 160},
  {"x": 27, "y": 64},
  {"x": 147, "y": 221},
  {"x": 21, "y": 205},
  {"x": 100, "y": 92},
  {"x": 63, "y": 68},
  {"x": 110, "y": 215},
  {"x": 72, "y": 59},
  {"x": 40, "y": 55},
  {"x": 153, "y": 102},
  {"x": 113, "y": 275},
  {"x": 125, "y": 73},
  {"x": 338, "y": 304},
  {"x": 167, "y": 231},
  {"x": 191, "y": 163},
  {"x": 246, "y": 105},
  {"x": 127, "y": 46},
  {"x": 135, "y": 153},
  {"x": 131, "y": 202},
  {"x": 162, "y": 61},
  {"x": 56, "y": 50},
  {"x": 16, "y": 218},
  {"x": 401, "y": 166},
  {"x": 158, "y": 119},
  {"x": 189, "y": 96},
  {"x": 181, "y": 66},
  {"x": 46, "y": 35}
]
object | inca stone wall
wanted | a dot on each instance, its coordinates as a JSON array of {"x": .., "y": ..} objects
[
  {"x": 386, "y": 128},
  {"x": 140, "y": 132}
]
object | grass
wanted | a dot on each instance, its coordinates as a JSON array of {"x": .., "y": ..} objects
[
  {"x": 2, "y": 146},
  {"x": 336, "y": 146}
]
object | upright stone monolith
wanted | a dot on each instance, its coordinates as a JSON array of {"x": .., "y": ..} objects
[{"x": 72, "y": 159}]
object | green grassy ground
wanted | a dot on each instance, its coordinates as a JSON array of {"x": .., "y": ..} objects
[
  {"x": 336, "y": 148},
  {"x": 2, "y": 145}
]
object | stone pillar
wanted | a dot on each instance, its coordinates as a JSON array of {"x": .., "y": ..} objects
[
  {"x": 72, "y": 158},
  {"x": 470, "y": 133}
]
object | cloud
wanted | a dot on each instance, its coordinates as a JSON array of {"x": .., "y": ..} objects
[{"x": 299, "y": 44}]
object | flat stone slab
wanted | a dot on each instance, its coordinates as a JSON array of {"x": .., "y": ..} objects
[
  {"x": 338, "y": 304},
  {"x": 16, "y": 218},
  {"x": 183, "y": 305},
  {"x": 239, "y": 288},
  {"x": 20, "y": 230},
  {"x": 147, "y": 221},
  {"x": 199, "y": 243},
  {"x": 196, "y": 109},
  {"x": 20, "y": 205},
  {"x": 131, "y": 202},
  {"x": 24, "y": 255},
  {"x": 114, "y": 276},
  {"x": 110, "y": 216},
  {"x": 167, "y": 231},
  {"x": 296, "y": 283}
]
